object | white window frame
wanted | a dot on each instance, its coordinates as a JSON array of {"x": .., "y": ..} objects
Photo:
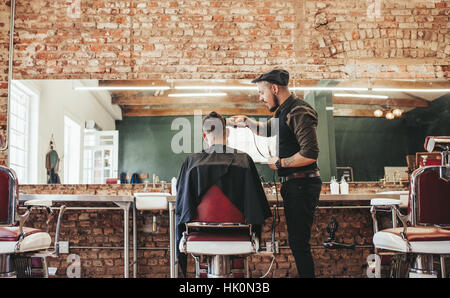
[
  {"x": 97, "y": 145},
  {"x": 27, "y": 172},
  {"x": 72, "y": 150}
]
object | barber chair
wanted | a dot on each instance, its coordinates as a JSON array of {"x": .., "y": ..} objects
[
  {"x": 219, "y": 234},
  {"x": 425, "y": 228},
  {"x": 22, "y": 248}
]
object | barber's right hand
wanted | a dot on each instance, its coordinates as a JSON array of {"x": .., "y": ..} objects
[{"x": 239, "y": 121}]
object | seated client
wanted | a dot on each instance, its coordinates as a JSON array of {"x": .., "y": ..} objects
[{"x": 229, "y": 169}]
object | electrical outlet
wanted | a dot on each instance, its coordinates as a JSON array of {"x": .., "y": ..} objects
[
  {"x": 269, "y": 247},
  {"x": 64, "y": 247}
]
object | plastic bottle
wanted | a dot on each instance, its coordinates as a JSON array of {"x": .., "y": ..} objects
[
  {"x": 334, "y": 186},
  {"x": 174, "y": 186},
  {"x": 343, "y": 186}
]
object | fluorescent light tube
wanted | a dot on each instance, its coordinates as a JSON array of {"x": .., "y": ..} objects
[
  {"x": 197, "y": 94},
  {"x": 216, "y": 88},
  {"x": 361, "y": 95},
  {"x": 122, "y": 88},
  {"x": 330, "y": 88},
  {"x": 409, "y": 90}
]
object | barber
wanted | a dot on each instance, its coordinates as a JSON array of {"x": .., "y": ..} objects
[{"x": 297, "y": 160}]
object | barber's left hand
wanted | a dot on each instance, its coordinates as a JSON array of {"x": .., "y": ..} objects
[{"x": 271, "y": 162}]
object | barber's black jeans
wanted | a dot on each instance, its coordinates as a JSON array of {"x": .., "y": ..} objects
[{"x": 300, "y": 199}]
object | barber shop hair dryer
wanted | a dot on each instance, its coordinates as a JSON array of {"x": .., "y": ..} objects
[{"x": 332, "y": 227}]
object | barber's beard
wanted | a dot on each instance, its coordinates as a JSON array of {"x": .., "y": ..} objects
[{"x": 276, "y": 104}]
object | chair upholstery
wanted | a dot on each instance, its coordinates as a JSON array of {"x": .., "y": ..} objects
[
  {"x": 433, "y": 204},
  {"x": 217, "y": 236},
  {"x": 12, "y": 239},
  {"x": 8, "y": 196},
  {"x": 4, "y": 197},
  {"x": 33, "y": 240},
  {"x": 429, "y": 240},
  {"x": 220, "y": 243}
]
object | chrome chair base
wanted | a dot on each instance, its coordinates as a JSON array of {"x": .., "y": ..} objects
[
  {"x": 5, "y": 267},
  {"x": 23, "y": 266},
  {"x": 219, "y": 266}
]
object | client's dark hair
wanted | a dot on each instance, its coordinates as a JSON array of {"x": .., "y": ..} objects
[{"x": 211, "y": 122}]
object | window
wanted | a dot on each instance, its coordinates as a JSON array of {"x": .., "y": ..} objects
[
  {"x": 22, "y": 132},
  {"x": 100, "y": 156},
  {"x": 72, "y": 143}
]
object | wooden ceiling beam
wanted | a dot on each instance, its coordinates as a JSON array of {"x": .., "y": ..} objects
[
  {"x": 293, "y": 82},
  {"x": 194, "y": 82},
  {"x": 194, "y": 111},
  {"x": 165, "y": 100},
  {"x": 410, "y": 84},
  {"x": 353, "y": 113},
  {"x": 133, "y": 83},
  {"x": 394, "y": 102}
]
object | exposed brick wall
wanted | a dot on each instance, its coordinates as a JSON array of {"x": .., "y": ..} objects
[
  {"x": 111, "y": 39},
  {"x": 231, "y": 39},
  {"x": 377, "y": 39}
]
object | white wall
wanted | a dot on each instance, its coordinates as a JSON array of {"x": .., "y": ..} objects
[{"x": 58, "y": 98}]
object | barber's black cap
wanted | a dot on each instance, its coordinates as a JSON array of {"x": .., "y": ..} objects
[{"x": 276, "y": 76}]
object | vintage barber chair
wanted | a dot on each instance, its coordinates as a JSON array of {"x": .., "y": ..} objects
[
  {"x": 425, "y": 228},
  {"x": 22, "y": 248},
  {"x": 218, "y": 233}
]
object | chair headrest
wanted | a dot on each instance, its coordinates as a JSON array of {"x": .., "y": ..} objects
[{"x": 437, "y": 144}]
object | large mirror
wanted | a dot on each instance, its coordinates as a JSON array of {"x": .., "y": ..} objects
[{"x": 96, "y": 132}]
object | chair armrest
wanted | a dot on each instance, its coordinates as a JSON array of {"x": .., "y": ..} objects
[
  {"x": 383, "y": 204},
  {"x": 39, "y": 203},
  {"x": 404, "y": 220}
]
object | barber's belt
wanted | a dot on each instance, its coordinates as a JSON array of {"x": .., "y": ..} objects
[{"x": 300, "y": 175}]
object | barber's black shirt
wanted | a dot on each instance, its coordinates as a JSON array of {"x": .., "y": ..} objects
[{"x": 297, "y": 132}]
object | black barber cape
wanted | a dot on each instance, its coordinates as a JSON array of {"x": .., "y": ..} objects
[{"x": 234, "y": 173}]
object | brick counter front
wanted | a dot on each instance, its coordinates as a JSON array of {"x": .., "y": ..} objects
[{"x": 97, "y": 237}]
